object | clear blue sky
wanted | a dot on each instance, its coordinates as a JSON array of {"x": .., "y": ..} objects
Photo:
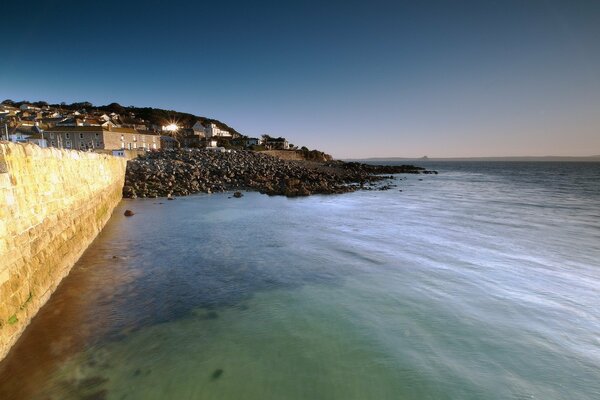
[{"x": 368, "y": 78}]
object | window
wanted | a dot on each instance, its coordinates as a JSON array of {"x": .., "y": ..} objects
[
  {"x": 81, "y": 136},
  {"x": 98, "y": 143},
  {"x": 134, "y": 138},
  {"x": 67, "y": 135},
  {"x": 97, "y": 135}
]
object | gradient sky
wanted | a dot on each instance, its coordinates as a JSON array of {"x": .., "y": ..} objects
[{"x": 353, "y": 78}]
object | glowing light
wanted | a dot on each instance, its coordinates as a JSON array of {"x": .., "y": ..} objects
[{"x": 171, "y": 127}]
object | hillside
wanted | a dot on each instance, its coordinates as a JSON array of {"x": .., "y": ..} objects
[{"x": 154, "y": 116}]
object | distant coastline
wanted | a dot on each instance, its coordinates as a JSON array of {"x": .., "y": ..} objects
[{"x": 524, "y": 158}]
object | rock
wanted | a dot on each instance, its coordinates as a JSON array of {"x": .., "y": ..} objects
[
  {"x": 217, "y": 373},
  {"x": 129, "y": 213},
  {"x": 185, "y": 171}
]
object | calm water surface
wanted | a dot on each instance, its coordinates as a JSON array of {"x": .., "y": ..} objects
[{"x": 482, "y": 282}]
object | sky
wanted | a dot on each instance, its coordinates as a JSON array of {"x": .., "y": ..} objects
[{"x": 353, "y": 78}]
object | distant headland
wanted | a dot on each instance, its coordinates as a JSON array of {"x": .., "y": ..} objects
[{"x": 510, "y": 158}]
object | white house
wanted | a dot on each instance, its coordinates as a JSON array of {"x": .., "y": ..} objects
[
  {"x": 29, "y": 107},
  {"x": 37, "y": 139},
  {"x": 199, "y": 129},
  {"x": 23, "y": 133},
  {"x": 252, "y": 142},
  {"x": 212, "y": 130}
]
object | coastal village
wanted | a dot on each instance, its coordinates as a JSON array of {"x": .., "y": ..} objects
[
  {"x": 172, "y": 153},
  {"x": 80, "y": 126}
]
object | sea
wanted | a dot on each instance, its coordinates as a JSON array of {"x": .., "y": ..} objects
[{"x": 480, "y": 282}]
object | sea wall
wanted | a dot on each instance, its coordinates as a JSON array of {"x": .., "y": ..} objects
[{"x": 53, "y": 203}]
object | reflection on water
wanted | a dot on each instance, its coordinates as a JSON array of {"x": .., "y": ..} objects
[{"x": 480, "y": 282}]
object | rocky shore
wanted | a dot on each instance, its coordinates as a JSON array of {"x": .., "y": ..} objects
[{"x": 187, "y": 171}]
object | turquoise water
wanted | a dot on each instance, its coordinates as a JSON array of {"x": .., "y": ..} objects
[{"x": 481, "y": 282}]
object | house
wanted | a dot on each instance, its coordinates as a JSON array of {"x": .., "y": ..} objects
[
  {"x": 37, "y": 139},
  {"x": 276, "y": 143},
  {"x": 212, "y": 130},
  {"x": 168, "y": 143},
  {"x": 101, "y": 138},
  {"x": 22, "y": 133},
  {"x": 70, "y": 122},
  {"x": 191, "y": 141},
  {"x": 246, "y": 142},
  {"x": 199, "y": 129},
  {"x": 29, "y": 107},
  {"x": 249, "y": 142},
  {"x": 50, "y": 122}
]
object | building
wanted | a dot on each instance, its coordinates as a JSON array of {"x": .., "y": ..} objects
[
  {"x": 249, "y": 142},
  {"x": 246, "y": 142},
  {"x": 21, "y": 133},
  {"x": 276, "y": 143},
  {"x": 212, "y": 130},
  {"x": 199, "y": 129},
  {"x": 101, "y": 138},
  {"x": 168, "y": 143},
  {"x": 37, "y": 139}
]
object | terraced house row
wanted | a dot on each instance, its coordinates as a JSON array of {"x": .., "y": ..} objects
[{"x": 101, "y": 138}]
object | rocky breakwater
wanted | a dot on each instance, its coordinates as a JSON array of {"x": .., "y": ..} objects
[{"x": 186, "y": 171}]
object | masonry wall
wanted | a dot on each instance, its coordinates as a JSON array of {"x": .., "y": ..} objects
[{"x": 53, "y": 203}]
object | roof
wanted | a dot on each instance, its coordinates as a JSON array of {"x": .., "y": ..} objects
[
  {"x": 143, "y": 132},
  {"x": 76, "y": 129},
  {"x": 122, "y": 130}
]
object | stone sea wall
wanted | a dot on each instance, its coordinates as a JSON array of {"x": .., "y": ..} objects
[{"x": 53, "y": 203}]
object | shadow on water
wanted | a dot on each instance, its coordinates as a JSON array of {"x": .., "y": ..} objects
[{"x": 154, "y": 268}]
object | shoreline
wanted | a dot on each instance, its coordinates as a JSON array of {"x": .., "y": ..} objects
[{"x": 183, "y": 172}]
